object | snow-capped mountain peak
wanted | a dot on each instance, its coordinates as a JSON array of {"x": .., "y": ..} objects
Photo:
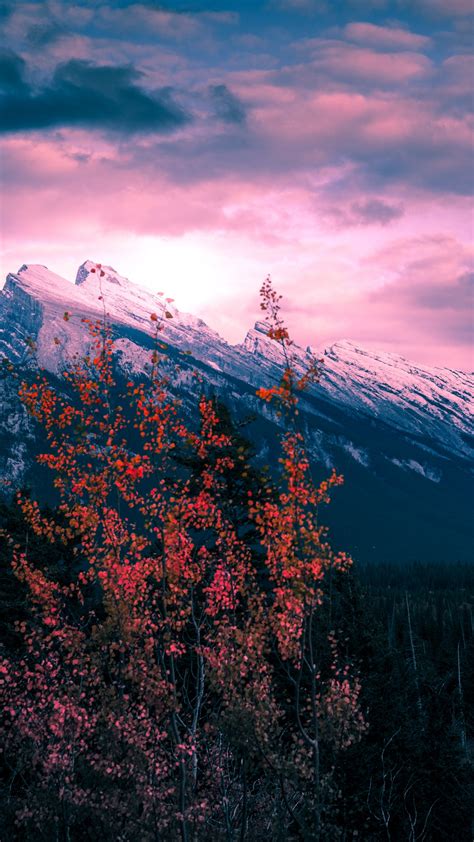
[
  {"x": 373, "y": 412},
  {"x": 90, "y": 271},
  {"x": 34, "y": 300},
  {"x": 413, "y": 398},
  {"x": 258, "y": 343}
]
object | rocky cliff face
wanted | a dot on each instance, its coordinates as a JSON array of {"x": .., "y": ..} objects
[{"x": 401, "y": 433}]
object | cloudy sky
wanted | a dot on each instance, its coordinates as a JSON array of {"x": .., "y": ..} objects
[{"x": 198, "y": 146}]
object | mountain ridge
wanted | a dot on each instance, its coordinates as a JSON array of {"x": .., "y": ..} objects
[{"x": 382, "y": 419}]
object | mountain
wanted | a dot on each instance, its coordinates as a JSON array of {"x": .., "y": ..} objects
[{"x": 401, "y": 433}]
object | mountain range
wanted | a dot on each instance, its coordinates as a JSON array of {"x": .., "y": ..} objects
[{"x": 401, "y": 433}]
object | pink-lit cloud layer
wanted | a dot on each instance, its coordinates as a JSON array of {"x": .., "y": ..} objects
[{"x": 199, "y": 150}]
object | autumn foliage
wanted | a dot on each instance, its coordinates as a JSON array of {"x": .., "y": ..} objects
[{"x": 174, "y": 681}]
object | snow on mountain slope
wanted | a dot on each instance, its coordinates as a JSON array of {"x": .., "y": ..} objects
[
  {"x": 428, "y": 403},
  {"x": 127, "y": 303},
  {"x": 401, "y": 433},
  {"x": 367, "y": 380},
  {"x": 33, "y": 302},
  {"x": 435, "y": 403}
]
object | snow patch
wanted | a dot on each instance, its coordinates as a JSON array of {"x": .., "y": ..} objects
[
  {"x": 357, "y": 453},
  {"x": 424, "y": 470}
]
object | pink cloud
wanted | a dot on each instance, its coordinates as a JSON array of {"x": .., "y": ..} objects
[
  {"x": 404, "y": 137},
  {"x": 455, "y": 81},
  {"x": 139, "y": 20},
  {"x": 386, "y": 37},
  {"x": 296, "y": 194},
  {"x": 430, "y": 294},
  {"x": 349, "y": 62}
]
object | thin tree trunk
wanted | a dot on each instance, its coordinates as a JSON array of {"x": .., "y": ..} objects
[
  {"x": 413, "y": 658},
  {"x": 461, "y": 704}
]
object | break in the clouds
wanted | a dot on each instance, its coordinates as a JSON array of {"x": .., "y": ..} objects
[{"x": 201, "y": 145}]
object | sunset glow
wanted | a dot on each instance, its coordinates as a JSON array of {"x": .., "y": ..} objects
[{"x": 199, "y": 149}]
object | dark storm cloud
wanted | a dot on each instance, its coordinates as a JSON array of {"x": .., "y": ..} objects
[
  {"x": 439, "y": 165},
  {"x": 226, "y": 105},
  {"x": 83, "y": 94},
  {"x": 12, "y": 69},
  {"x": 375, "y": 211},
  {"x": 5, "y": 10},
  {"x": 369, "y": 211}
]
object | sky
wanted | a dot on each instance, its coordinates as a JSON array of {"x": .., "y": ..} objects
[{"x": 198, "y": 146}]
